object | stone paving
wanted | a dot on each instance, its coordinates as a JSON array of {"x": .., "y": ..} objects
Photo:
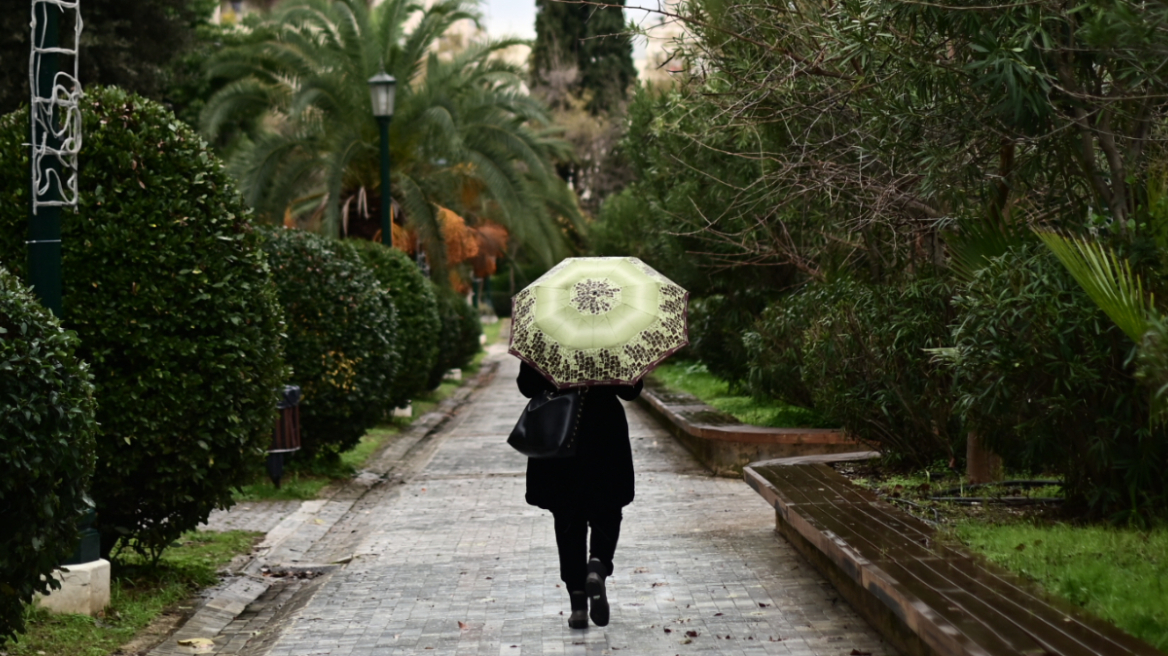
[{"x": 450, "y": 560}]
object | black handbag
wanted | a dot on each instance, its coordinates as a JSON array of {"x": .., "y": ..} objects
[{"x": 547, "y": 428}]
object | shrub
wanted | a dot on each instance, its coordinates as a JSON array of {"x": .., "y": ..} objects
[
  {"x": 459, "y": 341},
  {"x": 1044, "y": 377},
  {"x": 865, "y": 362},
  {"x": 46, "y": 448},
  {"x": 717, "y": 325},
  {"x": 774, "y": 344},
  {"x": 341, "y": 336},
  {"x": 417, "y": 316},
  {"x": 167, "y": 289}
]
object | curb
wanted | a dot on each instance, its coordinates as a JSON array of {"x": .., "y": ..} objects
[{"x": 723, "y": 444}]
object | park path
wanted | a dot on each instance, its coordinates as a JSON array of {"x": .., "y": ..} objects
[{"x": 455, "y": 563}]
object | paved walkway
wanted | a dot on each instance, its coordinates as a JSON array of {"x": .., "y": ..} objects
[{"x": 454, "y": 562}]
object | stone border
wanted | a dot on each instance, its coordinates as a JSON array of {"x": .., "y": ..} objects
[
  {"x": 926, "y": 599},
  {"x": 727, "y": 446}
]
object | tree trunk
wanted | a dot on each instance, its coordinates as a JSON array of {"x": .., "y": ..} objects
[{"x": 981, "y": 464}]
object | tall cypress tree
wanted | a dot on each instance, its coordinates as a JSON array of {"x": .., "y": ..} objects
[{"x": 592, "y": 39}]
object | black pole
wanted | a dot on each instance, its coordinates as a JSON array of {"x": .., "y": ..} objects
[
  {"x": 386, "y": 199},
  {"x": 44, "y": 224}
]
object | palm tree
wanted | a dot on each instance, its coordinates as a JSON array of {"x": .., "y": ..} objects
[{"x": 465, "y": 135}]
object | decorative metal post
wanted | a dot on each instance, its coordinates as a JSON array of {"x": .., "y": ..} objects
[
  {"x": 381, "y": 94},
  {"x": 55, "y": 131}
]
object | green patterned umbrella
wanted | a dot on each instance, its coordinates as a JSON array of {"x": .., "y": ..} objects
[{"x": 598, "y": 321}]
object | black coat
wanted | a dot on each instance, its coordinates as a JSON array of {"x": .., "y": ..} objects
[{"x": 600, "y": 475}]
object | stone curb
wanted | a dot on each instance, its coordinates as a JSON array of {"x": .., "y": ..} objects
[
  {"x": 946, "y": 602},
  {"x": 294, "y": 535},
  {"x": 725, "y": 445}
]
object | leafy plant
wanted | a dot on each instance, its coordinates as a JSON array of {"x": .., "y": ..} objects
[
  {"x": 1044, "y": 377},
  {"x": 166, "y": 287},
  {"x": 717, "y": 324},
  {"x": 459, "y": 341},
  {"x": 46, "y": 448},
  {"x": 417, "y": 312},
  {"x": 341, "y": 338},
  {"x": 866, "y": 364}
]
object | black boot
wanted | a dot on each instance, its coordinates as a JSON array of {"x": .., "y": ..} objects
[
  {"x": 579, "y": 617},
  {"x": 594, "y": 586}
]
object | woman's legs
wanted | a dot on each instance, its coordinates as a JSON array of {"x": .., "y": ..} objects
[
  {"x": 572, "y": 543},
  {"x": 605, "y": 525}
]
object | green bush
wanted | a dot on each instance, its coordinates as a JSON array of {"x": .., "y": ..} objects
[
  {"x": 417, "y": 316},
  {"x": 774, "y": 344},
  {"x": 865, "y": 362},
  {"x": 341, "y": 338},
  {"x": 717, "y": 325},
  {"x": 46, "y": 448},
  {"x": 167, "y": 289},
  {"x": 459, "y": 341},
  {"x": 1044, "y": 376}
]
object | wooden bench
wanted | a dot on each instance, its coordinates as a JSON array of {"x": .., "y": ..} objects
[
  {"x": 926, "y": 598},
  {"x": 725, "y": 445}
]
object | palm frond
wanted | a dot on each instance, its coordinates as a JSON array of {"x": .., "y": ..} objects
[{"x": 1107, "y": 279}]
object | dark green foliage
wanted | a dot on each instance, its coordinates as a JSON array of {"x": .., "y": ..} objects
[
  {"x": 1044, "y": 376},
  {"x": 341, "y": 338},
  {"x": 716, "y": 326},
  {"x": 459, "y": 341},
  {"x": 417, "y": 315},
  {"x": 865, "y": 362},
  {"x": 124, "y": 44},
  {"x": 46, "y": 448},
  {"x": 166, "y": 286},
  {"x": 593, "y": 40},
  {"x": 774, "y": 345}
]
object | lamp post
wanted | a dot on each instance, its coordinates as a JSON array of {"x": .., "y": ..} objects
[{"x": 381, "y": 91}]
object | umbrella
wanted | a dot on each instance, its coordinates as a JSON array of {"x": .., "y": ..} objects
[{"x": 598, "y": 321}]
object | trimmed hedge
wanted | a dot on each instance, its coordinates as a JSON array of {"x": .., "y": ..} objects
[
  {"x": 341, "y": 338},
  {"x": 459, "y": 340},
  {"x": 167, "y": 289},
  {"x": 46, "y": 448},
  {"x": 417, "y": 315}
]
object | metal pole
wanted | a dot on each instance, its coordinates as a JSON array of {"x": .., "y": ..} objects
[
  {"x": 44, "y": 223},
  {"x": 386, "y": 199}
]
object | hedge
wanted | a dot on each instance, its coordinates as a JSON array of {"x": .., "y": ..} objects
[
  {"x": 46, "y": 448},
  {"x": 417, "y": 313},
  {"x": 459, "y": 340},
  {"x": 167, "y": 289},
  {"x": 341, "y": 338}
]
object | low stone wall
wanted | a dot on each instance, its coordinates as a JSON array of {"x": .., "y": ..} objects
[{"x": 723, "y": 444}]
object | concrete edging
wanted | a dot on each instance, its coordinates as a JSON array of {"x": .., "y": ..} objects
[{"x": 727, "y": 446}]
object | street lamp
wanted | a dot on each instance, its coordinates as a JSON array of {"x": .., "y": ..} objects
[{"x": 381, "y": 91}]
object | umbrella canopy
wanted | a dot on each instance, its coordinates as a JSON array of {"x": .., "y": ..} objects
[{"x": 598, "y": 321}]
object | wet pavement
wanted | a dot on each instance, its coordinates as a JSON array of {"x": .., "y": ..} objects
[{"x": 450, "y": 560}]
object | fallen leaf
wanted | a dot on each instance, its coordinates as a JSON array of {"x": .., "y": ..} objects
[
  {"x": 717, "y": 614},
  {"x": 762, "y": 605},
  {"x": 1021, "y": 547},
  {"x": 668, "y": 630},
  {"x": 857, "y": 652},
  {"x": 692, "y": 634},
  {"x": 686, "y": 641},
  {"x": 463, "y": 625},
  {"x": 200, "y": 645}
]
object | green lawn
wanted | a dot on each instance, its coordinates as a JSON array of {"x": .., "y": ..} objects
[
  {"x": 139, "y": 593},
  {"x": 1118, "y": 574},
  {"x": 695, "y": 379}
]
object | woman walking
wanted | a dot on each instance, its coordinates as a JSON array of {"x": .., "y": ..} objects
[
  {"x": 586, "y": 491},
  {"x": 599, "y": 324}
]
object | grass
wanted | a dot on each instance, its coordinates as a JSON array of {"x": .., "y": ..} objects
[
  {"x": 1117, "y": 574},
  {"x": 139, "y": 593},
  {"x": 695, "y": 379}
]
